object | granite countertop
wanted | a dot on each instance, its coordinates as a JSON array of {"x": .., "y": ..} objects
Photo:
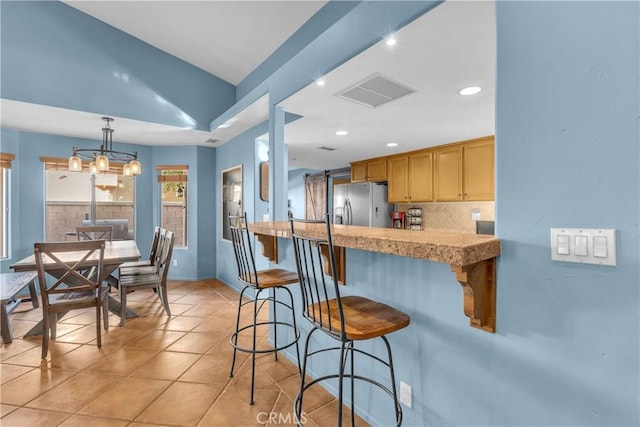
[{"x": 446, "y": 247}]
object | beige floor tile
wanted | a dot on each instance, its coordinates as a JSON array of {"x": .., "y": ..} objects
[
  {"x": 166, "y": 366},
  {"x": 127, "y": 399},
  {"x": 232, "y": 408},
  {"x": 279, "y": 369},
  {"x": 33, "y": 357},
  {"x": 82, "y": 335},
  {"x": 283, "y": 414},
  {"x": 209, "y": 369},
  {"x": 118, "y": 337},
  {"x": 87, "y": 421},
  {"x": 32, "y": 384},
  {"x": 182, "y": 323},
  {"x": 328, "y": 415},
  {"x": 18, "y": 346},
  {"x": 6, "y": 409},
  {"x": 204, "y": 308},
  {"x": 181, "y": 404},
  {"x": 242, "y": 377},
  {"x": 195, "y": 342},
  {"x": 156, "y": 340},
  {"x": 123, "y": 361},
  {"x": 79, "y": 358},
  {"x": 10, "y": 372},
  {"x": 315, "y": 397},
  {"x": 74, "y": 394},
  {"x": 33, "y": 417},
  {"x": 145, "y": 323}
]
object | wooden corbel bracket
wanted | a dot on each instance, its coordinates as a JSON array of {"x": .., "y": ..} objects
[
  {"x": 479, "y": 288},
  {"x": 269, "y": 246}
]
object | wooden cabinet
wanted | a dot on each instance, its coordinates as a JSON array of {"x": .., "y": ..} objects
[
  {"x": 448, "y": 174},
  {"x": 465, "y": 171},
  {"x": 410, "y": 178},
  {"x": 369, "y": 170},
  {"x": 479, "y": 180}
]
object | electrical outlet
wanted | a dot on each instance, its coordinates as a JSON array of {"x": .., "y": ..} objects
[
  {"x": 175, "y": 262},
  {"x": 405, "y": 394}
]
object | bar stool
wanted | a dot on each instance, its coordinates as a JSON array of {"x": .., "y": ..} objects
[
  {"x": 346, "y": 319},
  {"x": 273, "y": 279}
]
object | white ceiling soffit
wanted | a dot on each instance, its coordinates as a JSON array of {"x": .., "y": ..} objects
[
  {"x": 448, "y": 48},
  {"x": 251, "y": 116},
  {"x": 37, "y": 118},
  {"x": 228, "y": 39},
  {"x": 374, "y": 91}
]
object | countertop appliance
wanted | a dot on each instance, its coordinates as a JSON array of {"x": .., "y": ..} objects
[{"x": 361, "y": 203}]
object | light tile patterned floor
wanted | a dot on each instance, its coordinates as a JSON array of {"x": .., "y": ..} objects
[{"x": 157, "y": 370}]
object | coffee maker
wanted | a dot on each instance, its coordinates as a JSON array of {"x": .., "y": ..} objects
[{"x": 397, "y": 219}]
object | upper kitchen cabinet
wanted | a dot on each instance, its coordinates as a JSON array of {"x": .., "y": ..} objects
[
  {"x": 410, "y": 178},
  {"x": 369, "y": 170},
  {"x": 465, "y": 171}
]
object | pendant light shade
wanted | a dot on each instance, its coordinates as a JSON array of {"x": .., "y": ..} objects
[
  {"x": 93, "y": 169},
  {"x": 75, "y": 164},
  {"x": 136, "y": 169},
  {"x": 102, "y": 162}
]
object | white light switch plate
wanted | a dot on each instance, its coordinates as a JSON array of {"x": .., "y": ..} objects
[{"x": 581, "y": 245}]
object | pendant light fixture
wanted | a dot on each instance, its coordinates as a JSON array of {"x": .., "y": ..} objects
[{"x": 101, "y": 157}]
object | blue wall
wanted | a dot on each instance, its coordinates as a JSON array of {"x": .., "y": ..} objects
[
  {"x": 567, "y": 156},
  {"x": 54, "y": 55}
]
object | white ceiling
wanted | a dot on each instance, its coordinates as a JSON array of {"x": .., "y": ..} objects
[
  {"x": 447, "y": 49},
  {"x": 441, "y": 52}
]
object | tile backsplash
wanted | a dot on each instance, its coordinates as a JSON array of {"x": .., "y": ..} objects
[{"x": 452, "y": 216}]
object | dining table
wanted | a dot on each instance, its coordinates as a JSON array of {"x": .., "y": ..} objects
[{"x": 115, "y": 253}]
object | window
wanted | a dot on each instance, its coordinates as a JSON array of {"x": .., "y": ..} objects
[
  {"x": 5, "y": 167},
  {"x": 173, "y": 192},
  {"x": 68, "y": 200}
]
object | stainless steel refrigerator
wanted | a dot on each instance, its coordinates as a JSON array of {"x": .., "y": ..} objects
[{"x": 362, "y": 203}]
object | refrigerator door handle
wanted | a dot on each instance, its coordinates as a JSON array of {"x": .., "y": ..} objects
[{"x": 350, "y": 221}]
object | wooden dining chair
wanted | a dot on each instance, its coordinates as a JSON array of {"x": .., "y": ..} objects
[
  {"x": 147, "y": 265},
  {"x": 77, "y": 283},
  {"x": 156, "y": 279},
  {"x": 98, "y": 232},
  {"x": 346, "y": 319}
]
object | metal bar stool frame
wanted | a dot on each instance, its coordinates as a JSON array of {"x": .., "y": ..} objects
[
  {"x": 320, "y": 310},
  {"x": 259, "y": 281}
]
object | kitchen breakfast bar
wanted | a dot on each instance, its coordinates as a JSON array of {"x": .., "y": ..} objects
[{"x": 472, "y": 257}]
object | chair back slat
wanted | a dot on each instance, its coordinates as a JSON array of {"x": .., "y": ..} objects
[
  {"x": 243, "y": 250},
  {"x": 154, "y": 244},
  {"x": 165, "y": 252},
  {"x": 310, "y": 237},
  {"x": 82, "y": 275},
  {"x": 98, "y": 232}
]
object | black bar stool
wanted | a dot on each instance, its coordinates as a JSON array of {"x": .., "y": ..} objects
[
  {"x": 275, "y": 279},
  {"x": 346, "y": 319}
]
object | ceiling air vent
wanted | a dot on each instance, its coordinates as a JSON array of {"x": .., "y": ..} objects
[
  {"x": 212, "y": 140},
  {"x": 326, "y": 148},
  {"x": 374, "y": 91}
]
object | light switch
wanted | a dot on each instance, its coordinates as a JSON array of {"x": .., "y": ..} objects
[
  {"x": 581, "y": 245},
  {"x": 600, "y": 246},
  {"x": 563, "y": 244}
]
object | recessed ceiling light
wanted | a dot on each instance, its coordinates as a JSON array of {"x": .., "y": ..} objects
[
  {"x": 471, "y": 90},
  {"x": 391, "y": 41},
  {"x": 392, "y": 144},
  {"x": 342, "y": 132},
  {"x": 320, "y": 82}
]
